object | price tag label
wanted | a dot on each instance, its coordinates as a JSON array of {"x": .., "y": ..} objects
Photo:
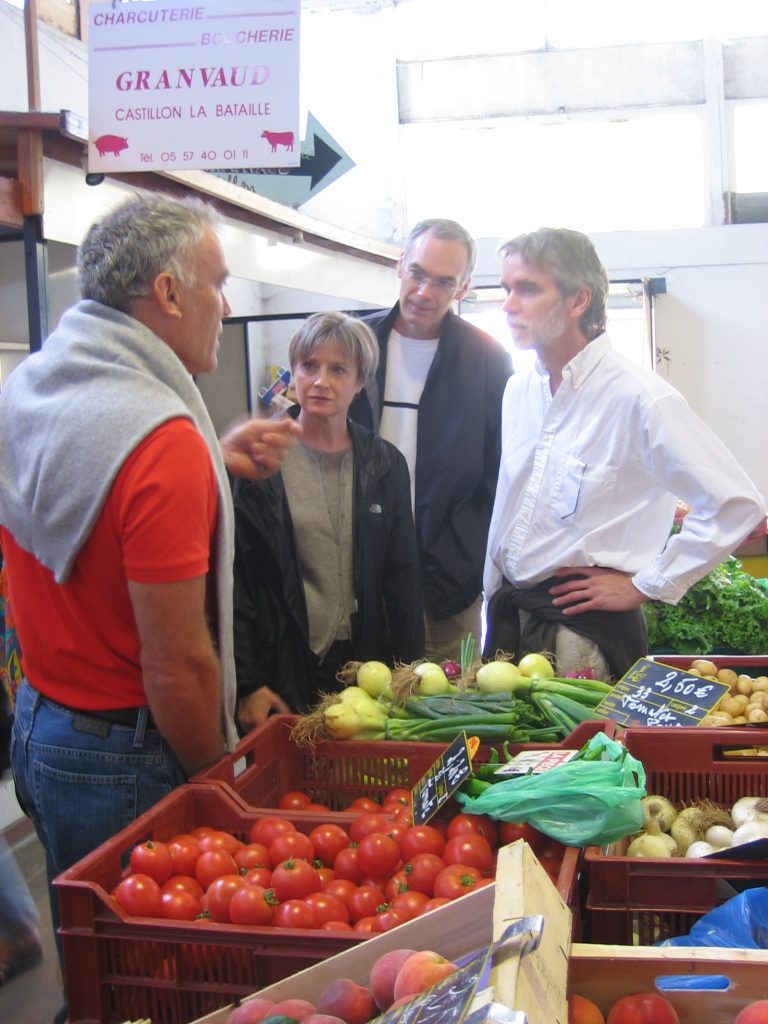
[
  {"x": 655, "y": 694},
  {"x": 441, "y": 781}
]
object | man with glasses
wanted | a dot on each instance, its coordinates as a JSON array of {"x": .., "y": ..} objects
[{"x": 437, "y": 397}]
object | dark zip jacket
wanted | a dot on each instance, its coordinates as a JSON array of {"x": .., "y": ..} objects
[
  {"x": 271, "y": 625},
  {"x": 458, "y": 448}
]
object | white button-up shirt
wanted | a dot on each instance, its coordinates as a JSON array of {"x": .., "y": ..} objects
[{"x": 591, "y": 476}]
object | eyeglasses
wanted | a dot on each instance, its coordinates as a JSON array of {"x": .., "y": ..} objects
[{"x": 440, "y": 284}]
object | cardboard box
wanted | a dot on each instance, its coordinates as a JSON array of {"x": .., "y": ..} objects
[{"x": 535, "y": 985}]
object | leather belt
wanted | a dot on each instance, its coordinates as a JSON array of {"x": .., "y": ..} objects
[{"x": 128, "y": 717}]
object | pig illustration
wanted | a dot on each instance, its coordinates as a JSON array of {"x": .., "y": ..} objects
[
  {"x": 276, "y": 139},
  {"x": 110, "y": 144}
]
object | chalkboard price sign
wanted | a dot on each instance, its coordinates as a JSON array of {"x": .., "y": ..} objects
[
  {"x": 441, "y": 781},
  {"x": 655, "y": 694}
]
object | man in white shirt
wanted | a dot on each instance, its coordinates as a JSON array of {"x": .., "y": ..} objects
[
  {"x": 595, "y": 453},
  {"x": 437, "y": 397}
]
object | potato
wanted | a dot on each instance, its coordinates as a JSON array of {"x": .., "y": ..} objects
[
  {"x": 756, "y": 715},
  {"x": 761, "y": 683},
  {"x": 733, "y": 705},
  {"x": 727, "y": 675},
  {"x": 740, "y": 720},
  {"x": 744, "y": 684},
  {"x": 706, "y": 668},
  {"x": 718, "y": 718},
  {"x": 757, "y": 699}
]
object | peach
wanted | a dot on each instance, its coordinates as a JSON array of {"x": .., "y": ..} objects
[
  {"x": 250, "y": 1012},
  {"x": 346, "y": 999},
  {"x": 383, "y": 975},
  {"x": 754, "y": 1013},
  {"x": 583, "y": 1011},
  {"x": 299, "y": 1009},
  {"x": 421, "y": 971}
]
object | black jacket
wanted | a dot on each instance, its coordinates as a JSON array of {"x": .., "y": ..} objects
[
  {"x": 271, "y": 626},
  {"x": 457, "y": 455}
]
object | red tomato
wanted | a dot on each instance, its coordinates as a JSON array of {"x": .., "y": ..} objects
[
  {"x": 219, "y": 840},
  {"x": 341, "y": 888},
  {"x": 440, "y": 824},
  {"x": 294, "y": 800},
  {"x": 423, "y": 870},
  {"x": 183, "y": 883},
  {"x": 258, "y": 876},
  {"x": 511, "y": 831},
  {"x": 152, "y": 858},
  {"x": 365, "y": 924},
  {"x": 294, "y": 914},
  {"x": 399, "y": 882},
  {"x": 327, "y": 907},
  {"x": 456, "y": 880},
  {"x": 377, "y": 854},
  {"x": 643, "y": 1008},
  {"x": 478, "y": 823},
  {"x": 213, "y": 864},
  {"x": 421, "y": 839},
  {"x": 364, "y": 902},
  {"x": 318, "y": 808},
  {"x": 397, "y": 830},
  {"x": 294, "y": 879},
  {"x": 200, "y": 831},
  {"x": 219, "y": 895},
  {"x": 337, "y": 926},
  {"x": 252, "y": 855},
  {"x": 252, "y": 904},
  {"x": 411, "y": 903},
  {"x": 388, "y": 919},
  {"x": 434, "y": 903},
  {"x": 469, "y": 848},
  {"x": 326, "y": 874},
  {"x": 291, "y": 846},
  {"x": 364, "y": 805},
  {"x": 140, "y": 896},
  {"x": 345, "y": 864},
  {"x": 368, "y": 823},
  {"x": 180, "y": 905},
  {"x": 328, "y": 840},
  {"x": 265, "y": 829},
  {"x": 184, "y": 854},
  {"x": 398, "y": 798}
]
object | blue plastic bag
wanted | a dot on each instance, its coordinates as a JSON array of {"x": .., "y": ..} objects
[
  {"x": 590, "y": 801},
  {"x": 739, "y": 923}
]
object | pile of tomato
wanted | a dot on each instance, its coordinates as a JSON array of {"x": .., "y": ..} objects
[{"x": 368, "y": 876}]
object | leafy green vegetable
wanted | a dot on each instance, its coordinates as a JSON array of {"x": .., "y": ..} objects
[{"x": 728, "y": 608}]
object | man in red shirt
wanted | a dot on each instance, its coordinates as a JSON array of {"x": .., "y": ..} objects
[{"x": 116, "y": 525}]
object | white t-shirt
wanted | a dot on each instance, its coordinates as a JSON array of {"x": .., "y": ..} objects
[{"x": 408, "y": 363}]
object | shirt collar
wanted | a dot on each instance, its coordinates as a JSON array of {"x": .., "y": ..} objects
[{"x": 583, "y": 364}]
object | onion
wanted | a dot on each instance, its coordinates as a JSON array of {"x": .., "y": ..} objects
[
  {"x": 646, "y": 845},
  {"x": 749, "y": 831},
  {"x": 699, "y": 849},
  {"x": 719, "y": 836},
  {"x": 374, "y": 677},
  {"x": 750, "y": 808},
  {"x": 658, "y": 808}
]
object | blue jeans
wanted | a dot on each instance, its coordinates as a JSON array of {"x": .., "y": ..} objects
[{"x": 81, "y": 789}]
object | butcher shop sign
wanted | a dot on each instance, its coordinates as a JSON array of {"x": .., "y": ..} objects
[{"x": 193, "y": 84}]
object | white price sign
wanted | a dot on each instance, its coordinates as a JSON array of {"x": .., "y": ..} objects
[{"x": 193, "y": 84}]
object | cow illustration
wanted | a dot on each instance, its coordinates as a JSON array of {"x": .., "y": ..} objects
[
  {"x": 110, "y": 144},
  {"x": 276, "y": 139}
]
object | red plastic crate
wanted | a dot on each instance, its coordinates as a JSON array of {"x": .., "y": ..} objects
[
  {"x": 267, "y": 763},
  {"x": 122, "y": 968},
  {"x": 645, "y": 900}
]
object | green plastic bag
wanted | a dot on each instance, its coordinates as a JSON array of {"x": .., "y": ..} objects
[{"x": 590, "y": 801}]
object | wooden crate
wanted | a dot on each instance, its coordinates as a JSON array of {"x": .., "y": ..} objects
[{"x": 606, "y": 973}]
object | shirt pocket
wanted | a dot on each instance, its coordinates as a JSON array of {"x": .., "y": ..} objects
[{"x": 568, "y": 486}]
